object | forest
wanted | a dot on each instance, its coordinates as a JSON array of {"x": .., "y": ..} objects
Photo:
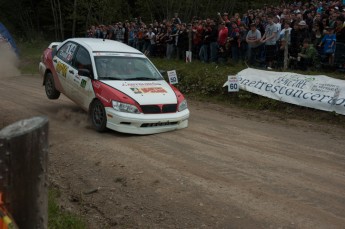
[{"x": 61, "y": 19}]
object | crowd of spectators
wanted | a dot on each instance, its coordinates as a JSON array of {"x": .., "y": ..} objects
[{"x": 310, "y": 30}]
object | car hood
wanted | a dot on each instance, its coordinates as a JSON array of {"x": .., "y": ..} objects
[{"x": 146, "y": 92}]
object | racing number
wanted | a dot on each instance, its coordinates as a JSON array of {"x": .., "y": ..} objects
[{"x": 233, "y": 86}]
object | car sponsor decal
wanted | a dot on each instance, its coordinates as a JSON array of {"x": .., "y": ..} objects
[
  {"x": 68, "y": 51},
  {"x": 83, "y": 83},
  {"x": 62, "y": 69},
  {"x": 145, "y": 90},
  {"x": 126, "y": 84}
]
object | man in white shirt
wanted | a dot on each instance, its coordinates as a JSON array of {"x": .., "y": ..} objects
[
  {"x": 270, "y": 38},
  {"x": 254, "y": 44}
]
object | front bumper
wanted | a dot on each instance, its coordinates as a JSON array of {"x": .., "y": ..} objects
[
  {"x": 146, "y": 123},
  {"x": 42, "y": 69}
]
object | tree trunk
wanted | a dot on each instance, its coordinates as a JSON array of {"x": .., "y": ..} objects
[{"x": 74, "y": 17}]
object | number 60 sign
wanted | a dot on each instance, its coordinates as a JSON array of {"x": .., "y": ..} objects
[
  {"x": 172, "y": 77},
  {"x": 233, "y": 84}
]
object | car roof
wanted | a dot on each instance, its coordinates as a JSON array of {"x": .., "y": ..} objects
[{"x": 104, "y": 45}]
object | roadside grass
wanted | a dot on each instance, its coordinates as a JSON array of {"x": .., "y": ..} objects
[
  {"x": 30, "y": 55},
  {"x": 204, "y": 82},
  {"x": 60, "y": 219}
]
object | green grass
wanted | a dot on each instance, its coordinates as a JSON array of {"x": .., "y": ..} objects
[
  {"x": 30, "y": 55},
  {"x": 205, "y": 82},
  {"x": 60, "y": 219}
]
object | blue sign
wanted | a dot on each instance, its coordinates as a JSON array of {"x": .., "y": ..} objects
[{"x": 7, "y": 36}]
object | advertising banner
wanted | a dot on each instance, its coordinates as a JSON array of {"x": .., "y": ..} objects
[{"x": 315, "y": 91}]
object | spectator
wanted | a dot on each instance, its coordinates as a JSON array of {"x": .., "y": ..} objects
[
  {"x": 120, "y": 33},
  {"x": 176, "y": 19},
  {"x": 302, "y": 32},
  {"x": 205, "y": 43},
  {"x": 328, "y": 42},
  {"x": 243, "y": 45},
  {"x": 235, "y": 42},
  {"x": 269, "y": 38},
  {"x": 213, "y": 42},
  {"x": 340, "y": 29},
  {"x": 182, "y": 42},
  {"x": 170, "y": 43},
  {"x": 317, "y": 33},
  {"x": 254, "y": 43},
  {"x": 150, "y": 42},
  {"x": 308, "y": 56},
  {"x": 222, "y": 40}
]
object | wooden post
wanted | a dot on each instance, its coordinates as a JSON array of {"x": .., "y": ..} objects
[
  {"x": 286, "y": 49},
  {"x": 24, "y": 158}
]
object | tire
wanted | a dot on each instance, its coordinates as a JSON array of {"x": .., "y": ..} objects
[
  {"x": 49, "y": 86},
  {"x": 98, "y": 116}
]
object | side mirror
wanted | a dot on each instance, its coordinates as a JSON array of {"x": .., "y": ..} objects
[{"x": 85, "y": 72}]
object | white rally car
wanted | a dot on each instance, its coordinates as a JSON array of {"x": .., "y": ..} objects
[{"x": 116, "y": 84}]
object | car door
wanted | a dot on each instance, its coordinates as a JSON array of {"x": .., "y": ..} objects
[
  {"x": 82, "y": 88},
  {"x": 62, "y": 63}
]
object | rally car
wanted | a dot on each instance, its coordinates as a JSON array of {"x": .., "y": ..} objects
[{"x": 116, "y": 84}]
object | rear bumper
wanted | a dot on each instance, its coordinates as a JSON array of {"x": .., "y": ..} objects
[{"x": 146, "y": 123}]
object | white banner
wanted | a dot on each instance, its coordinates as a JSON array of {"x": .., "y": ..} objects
[{"x": 315, "y": 91}]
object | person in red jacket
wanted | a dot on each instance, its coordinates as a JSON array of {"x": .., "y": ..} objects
[{"x": 222, "y": 40}]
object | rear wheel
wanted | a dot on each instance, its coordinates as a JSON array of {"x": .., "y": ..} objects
[
  {"x": 49, "y": 86},
  {"x": 98, "y": 116}
]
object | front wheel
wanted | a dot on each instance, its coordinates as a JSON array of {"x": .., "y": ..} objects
[
  {"x": 98, "y": 116},
  {"x": 49, "y": 86}
]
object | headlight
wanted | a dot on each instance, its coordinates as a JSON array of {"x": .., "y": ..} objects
[
  {"x": 182, "y": 106},
  {"x": 125, "y": 107}
]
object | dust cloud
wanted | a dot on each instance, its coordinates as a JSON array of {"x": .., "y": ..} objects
[
  {"x": 76, "y": 118},
  {"x": 9, "y": 61}
]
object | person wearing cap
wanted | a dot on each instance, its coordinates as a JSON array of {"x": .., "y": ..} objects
[
  {"x": 329, "y": 42},
  {"x": 302, "y": 32},
  {"x": 254, "y": 45}
]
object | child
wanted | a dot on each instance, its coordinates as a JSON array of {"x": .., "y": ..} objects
[{"x": 329, "y": 41}]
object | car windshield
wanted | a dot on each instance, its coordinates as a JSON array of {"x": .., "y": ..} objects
[{"x": 125, "y": 68}]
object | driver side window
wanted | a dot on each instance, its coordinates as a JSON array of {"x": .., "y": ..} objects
[
  {"x": 82, "y": 60},
  {"x": 67, "y": 51}
]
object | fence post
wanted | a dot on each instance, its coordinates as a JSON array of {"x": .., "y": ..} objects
[
  {"x": 24, "y": 160},
  {"x": 286, "y": 49}
]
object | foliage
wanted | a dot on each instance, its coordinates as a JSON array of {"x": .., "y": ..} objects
[
  {"x": 30, "y": 55},
  {"x": 54, "y": 19},
  {"x": 58, "y": 218}
]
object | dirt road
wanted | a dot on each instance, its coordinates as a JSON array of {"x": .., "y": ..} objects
[{"x": 229, "y": 169}]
